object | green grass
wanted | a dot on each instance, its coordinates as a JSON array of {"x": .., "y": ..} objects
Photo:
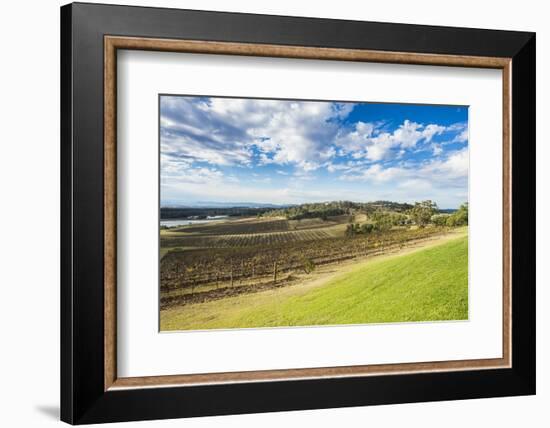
[{"x": 430, "y": 284}]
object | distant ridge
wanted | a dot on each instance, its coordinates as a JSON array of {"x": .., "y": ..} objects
[{"x": 213, "y": 204}]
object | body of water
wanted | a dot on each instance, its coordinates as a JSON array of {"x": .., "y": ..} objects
[{"x": 188, "y": 221}]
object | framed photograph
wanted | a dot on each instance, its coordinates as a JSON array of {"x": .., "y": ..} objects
[{"x": 265, "y": 213}]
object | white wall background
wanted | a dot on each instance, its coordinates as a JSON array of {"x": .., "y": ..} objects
[{"x": 29, "y": 213}]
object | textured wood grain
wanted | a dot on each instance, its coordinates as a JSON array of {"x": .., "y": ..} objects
[
  {"x": 296, "y": 374},
  {"x": 112, "y": 43},
  {"x": 507, "y": 213},
  {"x": 110, "y": 183},
  {"x": 226, "y": 48}
]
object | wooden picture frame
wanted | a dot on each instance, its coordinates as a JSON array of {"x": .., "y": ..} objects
[{"x": 91, "y": 390}]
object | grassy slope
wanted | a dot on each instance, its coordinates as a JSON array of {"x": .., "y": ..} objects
[{"x": 430, "y": 284}]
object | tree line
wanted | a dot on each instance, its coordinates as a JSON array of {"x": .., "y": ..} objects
[
  {"x": 324, "y": 210},
  {"x": 421, "y": 214},
  {"x": 168, "y": 213}
]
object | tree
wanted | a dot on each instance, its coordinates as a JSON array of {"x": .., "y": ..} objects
[
  {"x": 459, "y": 217},
  {"x": 367, "y": 228},
  {"x": 422, "y": 212},
  {"x": 384, "y": 224},
  {"x": 462, "y": 214},
  {"x": 440, "y": 219}
]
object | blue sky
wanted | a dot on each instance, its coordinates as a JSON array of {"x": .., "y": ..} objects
[{"x": 288, "y": 152}]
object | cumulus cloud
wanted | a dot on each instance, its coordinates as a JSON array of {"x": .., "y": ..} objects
[
  {"x": 366, "y": 140},
  {"x": 461, "y": 132},
  {"x": 378, "y": 173},
  {"x": 199, "y": 175},
  {"x": 182, "y": 172},
  {"x": 462, "y": 137},
  {"x": 452, "y": 171},
  {"x": 209, "y": 144},
  {"x": 333, "y": 167},
  {"x": 456, "y": 165},
  {"x": 187, "y": 132},
  {"x": 437, "y": 149},
  {"x": 228, "y": 131}
]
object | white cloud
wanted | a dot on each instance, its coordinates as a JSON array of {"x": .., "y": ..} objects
[
  {"x": 309, "y": 166},
  {"x": 332, "y": 167},
  {"x": 429, "y": 131},
  {"x": 462, "y": 137},
  {"x": 199, "y": 175},
  {"x": 454, "y": 166},
  {"x": 437, "y": 149},
  {"x": 230, "y": 192},
  {"x": 298, "y": 134},
  {"x": 366, "y": 140},
  {"x": 187, "y": 133},
  {"x": 205, "y": 141},
  {"x": 223, "y": 131},
  {"x": 461, "y": 130},
  {"x": 356, "y": 139},
  {"x": 416, "y": 184},
  {"x": 303, "y": 175},
  {"x": 377, "y": 173},
  {"x": 448, "y": 172},
  {"x": 263, "y": 180},
  {"x": 444, "y": 181},
  {"x": 265, "y": 160}
]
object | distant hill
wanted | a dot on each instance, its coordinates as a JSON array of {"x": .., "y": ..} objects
[
  {"x": 173, "y": 213},
  {"x": 334, "y": 208},
  {"x": 214, "y": 204},
  {"x": 203, "y": 209}
]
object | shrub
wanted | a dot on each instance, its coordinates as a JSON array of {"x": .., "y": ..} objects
[
  {"x": 422, "y": 212},
  {"x": 459, "y": 217},
  {"x": 367, "y": 228},
  {"x": 308, "y": 265},
  {"x": 440, "y": 219}
]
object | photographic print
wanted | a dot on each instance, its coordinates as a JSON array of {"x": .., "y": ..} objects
[{"x": 287, "y": 213}]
